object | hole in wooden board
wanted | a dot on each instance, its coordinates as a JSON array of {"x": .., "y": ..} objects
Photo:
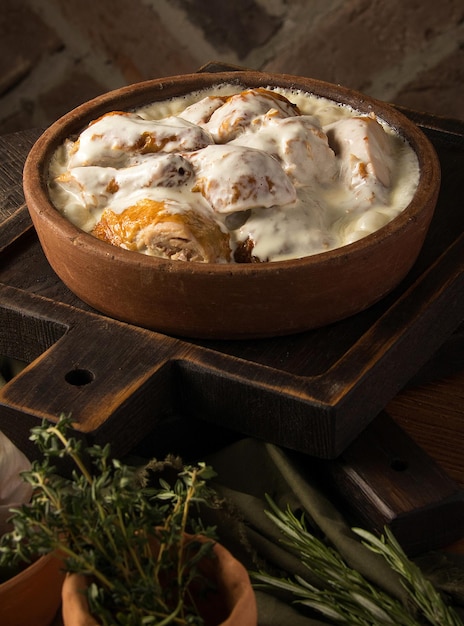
[
  {"x": 79, "y": 377},
  {"x": 399, "y": 465}
]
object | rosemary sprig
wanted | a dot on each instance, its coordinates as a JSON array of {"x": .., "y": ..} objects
[
  {"x": 420, "y": 590},
  {"x": 343, "y": 594}
]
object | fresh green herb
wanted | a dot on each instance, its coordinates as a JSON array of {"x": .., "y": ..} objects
[
  {"x": 420, "y": 590},
  {"x": 344, "y": 595},
  {"x": 116, "y": 527}
]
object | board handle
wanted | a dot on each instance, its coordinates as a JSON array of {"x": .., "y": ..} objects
[
  {"x": 385, "y": 479},
  {"x": 113, "y": 379}
]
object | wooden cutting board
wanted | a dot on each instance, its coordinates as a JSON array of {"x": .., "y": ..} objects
[{"x": 315, "y": 393}]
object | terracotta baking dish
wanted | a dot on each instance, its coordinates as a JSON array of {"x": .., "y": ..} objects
[{"x": 228, "y": 301}]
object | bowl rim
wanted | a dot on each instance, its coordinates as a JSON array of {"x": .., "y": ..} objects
[{"x": 139, "y": 94}]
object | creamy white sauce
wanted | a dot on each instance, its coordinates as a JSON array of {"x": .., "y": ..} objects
[{"x": 295, "y": 185}]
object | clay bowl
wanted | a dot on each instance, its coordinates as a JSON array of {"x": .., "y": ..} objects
[{"x": 229, "y": 301}]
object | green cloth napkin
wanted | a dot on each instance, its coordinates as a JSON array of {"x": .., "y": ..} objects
[{"x": 249, "y": 469}]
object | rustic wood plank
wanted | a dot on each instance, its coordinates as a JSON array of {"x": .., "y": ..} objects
[{"x": 14, "y": 217}]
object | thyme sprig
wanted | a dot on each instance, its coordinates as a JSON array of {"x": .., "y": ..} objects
[
  {"x": 344, "y": 595},
  {"x": 112, "y": 524}
]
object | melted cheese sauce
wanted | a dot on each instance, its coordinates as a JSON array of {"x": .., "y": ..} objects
[{"x": 293, "y": 174}]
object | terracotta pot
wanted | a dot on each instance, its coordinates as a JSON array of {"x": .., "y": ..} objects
[
  {"x": 233, "y": 604},
  {"x": 229, "y": 301},
  {"x": 33, "y": 597}
]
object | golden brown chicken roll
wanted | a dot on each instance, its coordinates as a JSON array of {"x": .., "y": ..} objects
[
  {"x": 117, "y": 136},
  {"x": 201, "y": 111},
  {"x": 298, "y": 143},
  {"x": 244, "y": 109},
  {"x": 95, "y": 186},
  {"x": 236, "y": 178},
  {"x": 366, "y": 160},
  {"x": 165, "y": 229}
]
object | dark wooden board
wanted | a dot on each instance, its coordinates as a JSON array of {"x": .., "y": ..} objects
[
  {"x": 317, "y": 393},
  {"x": 313, "y": 392}
]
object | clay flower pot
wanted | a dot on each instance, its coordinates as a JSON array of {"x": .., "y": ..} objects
[
  {"x": 233, "y": 604},
  {"x": 33, "y": 597}
]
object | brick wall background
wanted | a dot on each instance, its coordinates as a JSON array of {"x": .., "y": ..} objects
[{"x": 55, "y": 54}]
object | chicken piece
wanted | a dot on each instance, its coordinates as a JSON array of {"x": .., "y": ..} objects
[
  {"x": 280, "y": 233},
  {"x": 365, "y": 152},
  {"x": 241, "y": 110},
  {"x": 200, "y": 112},
  {"x": 115, "y": 137},
  {"x": 234, "y": 178},
  {"x": 298, "y": 143},
  {"x": 165, "y": 229},
  {"x": 243, "y": 252},
  {"x": 94, "y": 186}
]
